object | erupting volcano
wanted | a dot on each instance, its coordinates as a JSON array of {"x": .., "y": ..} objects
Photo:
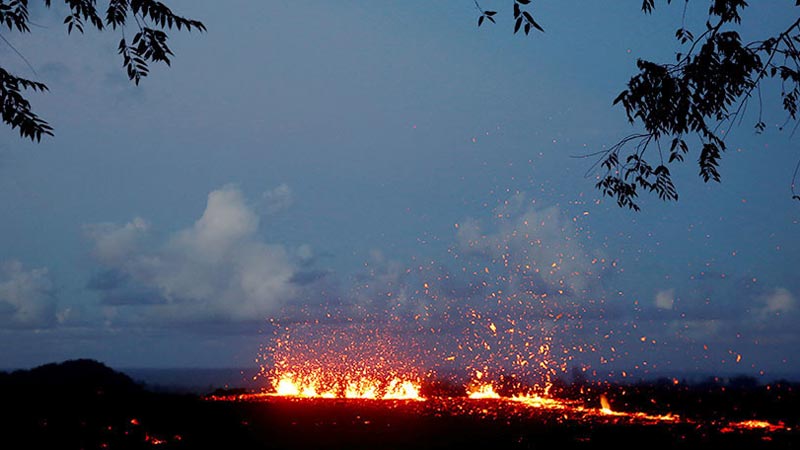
[
  {"x": 484, "y": 346},
  {"x": 367, "y": 377}
]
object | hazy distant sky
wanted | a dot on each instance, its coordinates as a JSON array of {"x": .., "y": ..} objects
[{"x": 303, "y": 153}]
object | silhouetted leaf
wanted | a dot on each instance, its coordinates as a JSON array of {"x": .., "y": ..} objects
[
  {"x": 527, "y": 16},
  {"x": 16, "y": 110},
  {"x": 532, "y": 22},
  {"x": 116, "y": 13}
]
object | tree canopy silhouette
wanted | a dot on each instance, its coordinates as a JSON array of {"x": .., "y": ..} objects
[
  {"x": 684, "y": 106},
  {"x": 149, "y": 45},
  {"x": 690, "y": 104}
]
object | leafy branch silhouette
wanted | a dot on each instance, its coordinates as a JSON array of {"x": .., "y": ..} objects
[
  {"x": 149, "y": 45},
  {"x": 693, "y": 102}
]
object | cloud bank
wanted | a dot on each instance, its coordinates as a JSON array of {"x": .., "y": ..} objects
[
  {"x": 27, "y": 298},
  {"x": 218, "y": 269}
]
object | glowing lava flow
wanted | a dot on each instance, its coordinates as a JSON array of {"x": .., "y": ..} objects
[
  {"x": 753, "y": 425},
  {"x": 402, "y": 390},
  {"x": 289, "y": 386},
  {"x": 537, "y": 401},
  {"x": 354, "y": 362},
  {"x": 483, "y": 391},
  {"x": 605, "y": 409},
  {"x": 313, "y": 386},
  {"x": 489, "y": 403}
]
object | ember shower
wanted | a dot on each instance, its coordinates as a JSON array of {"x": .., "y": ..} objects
[{"x": 506, "y": 303}]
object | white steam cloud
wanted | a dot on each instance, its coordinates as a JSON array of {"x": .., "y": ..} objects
[{"x": 541, "y": 242}]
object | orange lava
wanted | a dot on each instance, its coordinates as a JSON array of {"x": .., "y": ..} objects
[
  {"x": 754, "y": 425},
  {"x": 483, "y": 400},
  {"x": 483, "y": 391},
  {"x": 315, "y": 385},
  {"x": 315, "y": 361}
]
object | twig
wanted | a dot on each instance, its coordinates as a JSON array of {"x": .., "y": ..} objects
[{"x": 19, "y": 54}]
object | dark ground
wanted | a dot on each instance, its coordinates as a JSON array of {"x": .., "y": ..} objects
[{"x": 83, "y": 404}]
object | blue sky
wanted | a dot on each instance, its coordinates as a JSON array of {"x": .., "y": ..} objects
[{"x": 301, "y": 155}]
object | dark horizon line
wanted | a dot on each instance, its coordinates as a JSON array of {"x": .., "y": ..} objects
[{"x": 615, "y": 375}]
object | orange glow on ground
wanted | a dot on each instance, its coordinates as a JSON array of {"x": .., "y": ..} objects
[
  {"x": 753, "y": 425},
  {"x": 537, "y": 401},
  {"x": 483, "y": 391},
  {"x": 310, "y": 363},
  {"x": 315, "y": 385},
  {"x": 402, "y": 390},
  {"x": 483, "y": 401}
]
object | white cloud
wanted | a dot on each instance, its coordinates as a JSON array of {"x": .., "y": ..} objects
[
  {"x": 779, "y": 301},
  {"x": 665, "y": 299},
  {"x": 226, "y": 223},
  {"x": 217, "y": 269},
  {"x": 305, "y": 253},
  {"x": 698, "y": 328},
  {"x": 278, "y": 199},
  {"x": 26, "y": 297},
  {"x": 113, "y": 243}
]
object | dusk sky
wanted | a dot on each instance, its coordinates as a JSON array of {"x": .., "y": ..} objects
[{"x": 300, "y": 155}]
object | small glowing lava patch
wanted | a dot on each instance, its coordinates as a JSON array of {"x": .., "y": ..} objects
[{"x": 483, "y": 391}]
